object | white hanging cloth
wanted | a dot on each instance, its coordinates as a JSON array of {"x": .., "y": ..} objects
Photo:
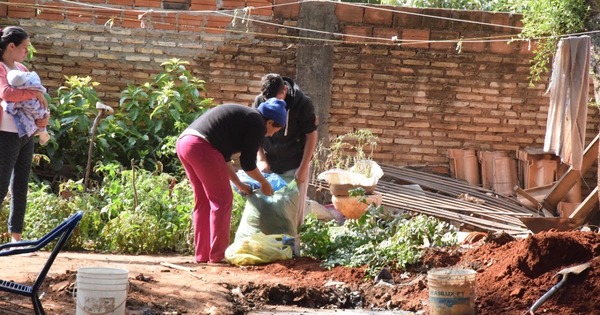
[{"x": 569, "y": 88}]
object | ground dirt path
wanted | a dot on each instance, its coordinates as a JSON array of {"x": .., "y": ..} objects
[{"x": 511, "y": 275}]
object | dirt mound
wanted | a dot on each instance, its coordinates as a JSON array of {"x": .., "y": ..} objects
[{"x": 512, "y": 276}]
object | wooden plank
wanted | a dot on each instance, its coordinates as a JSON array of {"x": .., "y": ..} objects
[
  {"x": 586, "y": 208},
  {"x": 571, "y": 177},
  {"x": 534, "y": 201},
  {"x": 178, "y": 267}
]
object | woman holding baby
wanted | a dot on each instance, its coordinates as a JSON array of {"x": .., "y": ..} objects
[{"x": 16, "y": 152}]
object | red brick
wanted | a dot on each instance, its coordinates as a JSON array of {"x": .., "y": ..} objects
[
  {"x": 262, "y": 11},
  {"x": 50, "y": 15},
  {"x": 104, "y": 20},
  {"x": 165, "y": 25},
  {"x": 517, "y": 18},
  {"x": 130, "y": 20},
  {"x": 410, "y": 35},
  {"x": 51, "y": 11},
  {"x": 21, "y": 11},
  {"x": 287, "y": 9},
  {"x": 260, "y": 7},
  {"x": 476, "y": 46},
  {"x": 259, "y": 4},
  {"x": 103, "y": 15},
  {"x": 463, "y": 20},
  {"x": 347, "y": 12},
  {"x": 496, "y": 19},
  {"x": 408, "y": 18},
  {"x": 217, "y": 24},
  {"x": 204, "y": 2},
  {"x": 80, "y": 16},
  {"x": 379, "y": 15},
  {"x": 3, "y": 10},
  {"x": 527, "y": 48},
  {"x": 189, "y": 22},
  {"x": 203, "y": 7},
  {"x": 175, "y": 5},
  {"x": 437, "y": 19},
  {"x": 233, "y": 4},
  {"x": 363, "y": 31},
  {"x": 125, "y": 3},
  {"x": 503, "y": 47},
  {"x": 386, "y": 32},
  {"x": 268, "y": 29},
  {"x": 441, "y": 36},
  {"x": 147, "y": 3},
  {"x": 165, "y": 22}
]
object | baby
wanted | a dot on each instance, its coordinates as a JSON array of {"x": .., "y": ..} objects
[{"x": 26, "y": 112}]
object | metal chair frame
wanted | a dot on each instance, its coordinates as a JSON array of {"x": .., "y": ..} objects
[{"x": 62, "y": 233}]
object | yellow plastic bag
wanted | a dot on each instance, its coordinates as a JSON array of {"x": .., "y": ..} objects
[{"x": 258, "y": 249}]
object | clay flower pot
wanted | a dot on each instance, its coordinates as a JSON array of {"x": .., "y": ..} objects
[
  {"x": 342, "y": 189},
  {"x": 351, "y": 207}
]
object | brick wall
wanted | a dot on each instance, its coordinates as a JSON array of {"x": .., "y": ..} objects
[{"x": 397, "y": 71}]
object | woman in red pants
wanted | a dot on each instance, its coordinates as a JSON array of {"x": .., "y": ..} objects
[{"x": 205, "y": 149}]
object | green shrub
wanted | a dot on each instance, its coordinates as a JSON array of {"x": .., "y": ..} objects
[
  {"x": 153, "y": 217},
  {"x": 376, "y": 240},
  {"x": 47, "y": 210},
  {"x": 143, "y": 128},
  {"x": 131, "y": 212},
  {"x": 73, "y": 111},
  {"x": 152, "y": 115}
]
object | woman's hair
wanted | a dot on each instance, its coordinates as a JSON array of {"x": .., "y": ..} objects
[
  {"x": 271, "y": 84},
  {"x": 11, "y": 34},
  {"x": 275, "y": 124}
]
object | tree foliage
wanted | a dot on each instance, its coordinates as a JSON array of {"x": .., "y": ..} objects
[
  {"x": 477, "y": 5},
  {"x": 546, "y": 21}
]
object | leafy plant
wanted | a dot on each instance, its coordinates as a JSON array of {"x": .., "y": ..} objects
[
  {"x": 239, "y": 203},
  {"x": 115, "y": 220},
  {"x": 131, "y": 211},
  {"x": 143, "y": 128},
  {"x": 316, "y": 236},
  {"x": 376, "y": 240},
  {"x": 73, "y": 111},
  {"x": 152, "y": 115},
  {"x": 46, "y": 210},
  {"x": 345, "y": 151},
  {"x": 145, "y": 213}
]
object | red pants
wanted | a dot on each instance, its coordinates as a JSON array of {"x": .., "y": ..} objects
[{"x": 207, "y": 171}]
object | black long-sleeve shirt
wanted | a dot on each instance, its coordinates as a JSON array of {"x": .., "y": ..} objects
[
  {"x": 232, "y": 128},
  {"x": 285, "y": 152}
]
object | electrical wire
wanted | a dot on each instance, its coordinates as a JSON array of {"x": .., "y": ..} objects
[
  {"x": 368, "y": 39},
  {"x": 234, "y": 15}
]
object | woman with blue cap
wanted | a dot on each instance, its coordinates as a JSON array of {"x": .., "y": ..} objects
[{"x": 205, "y": 149}]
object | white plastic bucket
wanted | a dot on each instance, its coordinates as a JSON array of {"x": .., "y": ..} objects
[
  {"x": 101, "y": 291},
  {"x": 451, "y": 291}
]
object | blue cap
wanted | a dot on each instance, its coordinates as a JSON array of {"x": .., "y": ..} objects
[{"x": 274, "y": 109}]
